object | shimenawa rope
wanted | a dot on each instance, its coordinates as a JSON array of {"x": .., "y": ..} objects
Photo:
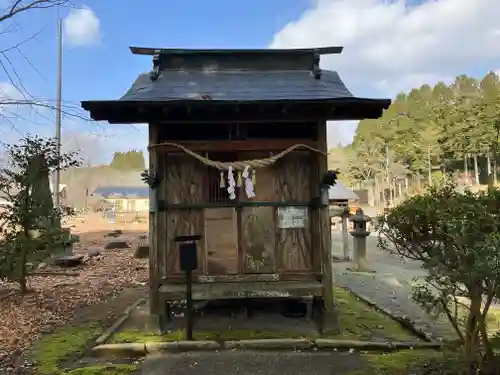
[{"x": 238, "y": 165}]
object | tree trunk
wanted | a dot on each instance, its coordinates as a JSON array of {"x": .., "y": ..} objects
[
  {"x": 466, "y": 169},
  {"x": 23, "y": 273},
  {"x": 391, "y": 191},
  {"x": 471, "y": 344},
  {"x": 488, "y": 164},
  {"x": 495, "y": 170},
  {"x": 429, "y": 166},
  {"x": 476, "y": 170}
]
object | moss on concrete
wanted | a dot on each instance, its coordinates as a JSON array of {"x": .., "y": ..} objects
[
  {"x": 52, "y": 350},
  {"x": 362, "y": 322},
  {"x": 130, "y": 336}
]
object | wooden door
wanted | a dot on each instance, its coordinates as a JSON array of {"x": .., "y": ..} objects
[{"x": 221, "y": 242}]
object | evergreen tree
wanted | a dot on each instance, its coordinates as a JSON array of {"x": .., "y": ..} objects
[{"x": 449, "y": 127}]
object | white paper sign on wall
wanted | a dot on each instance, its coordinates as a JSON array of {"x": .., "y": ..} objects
[{"x": 292, "y": 217}]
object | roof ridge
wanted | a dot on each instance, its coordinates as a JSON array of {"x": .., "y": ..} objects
[
  {"x": 239, "y": 70},
  {"x": 186, "y": 51}
]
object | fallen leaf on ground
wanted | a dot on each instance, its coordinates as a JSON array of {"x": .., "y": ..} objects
[{"x": 54, "y": 299}]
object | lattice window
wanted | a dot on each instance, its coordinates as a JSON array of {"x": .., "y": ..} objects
[{"x": 216, "y": 193}]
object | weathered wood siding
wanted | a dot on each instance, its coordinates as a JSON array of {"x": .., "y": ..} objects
[
  {"x": 293, "y": 184},
  {"x": 257, "y": 224},
  {"x": 258, "y": 239},
  {"x": 184, "y": 185},
  {"x": 244, "y": 240}
]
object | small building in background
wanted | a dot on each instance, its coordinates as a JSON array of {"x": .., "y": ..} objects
[
  {"x": 124, "y": 198},
  {"x": 340, "y": 192},
  {"x": 340, "y": 196}
]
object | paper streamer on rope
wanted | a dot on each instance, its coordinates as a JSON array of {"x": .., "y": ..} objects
[
  {"x": 249, "y": 187},
  {"x": 231, "y": 188},
  {"x": 222, "y": 183},
  {"x": 239, "y": 182},
  {"x": 246, "y": 172}
]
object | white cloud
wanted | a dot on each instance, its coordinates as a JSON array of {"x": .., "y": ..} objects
[
  {"x": 9, "y": 92},
  {"x": 392, "y": 47},
  {"x": 82, "y": 27}
]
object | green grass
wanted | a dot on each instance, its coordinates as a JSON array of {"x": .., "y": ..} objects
[
  {"x": 52, "y": 349},
  {"x": 362, "y": 322},
  {"x": 358, "y": 321},
  {"x": 395, "y": 363}
]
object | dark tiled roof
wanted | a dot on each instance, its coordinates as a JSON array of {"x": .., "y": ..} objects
[
  {"x": 238, "y": 85},
  {"x": 199, "y": 79},
  {"x": 122, "y": 191}
]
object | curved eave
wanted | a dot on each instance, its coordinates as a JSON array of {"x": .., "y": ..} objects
[{"x": 126, "y": 112}]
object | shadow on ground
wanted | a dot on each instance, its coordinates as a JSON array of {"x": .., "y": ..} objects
[{"x": 252, "y": 316}]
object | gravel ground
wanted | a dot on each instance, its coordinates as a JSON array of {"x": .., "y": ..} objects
[{"x": 59, "y": 300}]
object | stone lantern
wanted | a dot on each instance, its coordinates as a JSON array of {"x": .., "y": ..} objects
[{"x": 359, "y": 233}]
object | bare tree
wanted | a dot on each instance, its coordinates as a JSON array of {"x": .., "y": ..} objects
[
  {"x": 15, "y": 102},
  {"x": 16, "y": 7},
  {"x": 88, "y": 146}
]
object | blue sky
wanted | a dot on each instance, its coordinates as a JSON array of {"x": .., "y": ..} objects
[{"x": 389, "y": 47}]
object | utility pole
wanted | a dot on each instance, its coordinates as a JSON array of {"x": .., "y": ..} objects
[
  {"x": 57, "y": 178},
  {"x": 88, "y": 184}
]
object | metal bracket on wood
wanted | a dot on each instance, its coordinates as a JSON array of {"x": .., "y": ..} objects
[
  {"x": 155, "y": 73},
  {"x": 315, "y": 69}
]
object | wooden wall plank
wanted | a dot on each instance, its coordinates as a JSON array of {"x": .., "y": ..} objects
[
  {"x": 221, "y": 241},
  {"x": 258, "y": 239},
  {"x": 293, "y": 245},
  {"x": 184, "y": 178}
]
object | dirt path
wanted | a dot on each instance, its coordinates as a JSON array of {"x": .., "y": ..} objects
[{"x": 390, "y": 287}]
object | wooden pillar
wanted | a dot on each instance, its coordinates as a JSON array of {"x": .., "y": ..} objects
[
  {"x": 154, "y": 274},
  {"x": 323, "y": 222}
]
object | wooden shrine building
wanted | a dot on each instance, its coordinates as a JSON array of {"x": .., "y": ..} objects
[{"x": 237, "y": 142}]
